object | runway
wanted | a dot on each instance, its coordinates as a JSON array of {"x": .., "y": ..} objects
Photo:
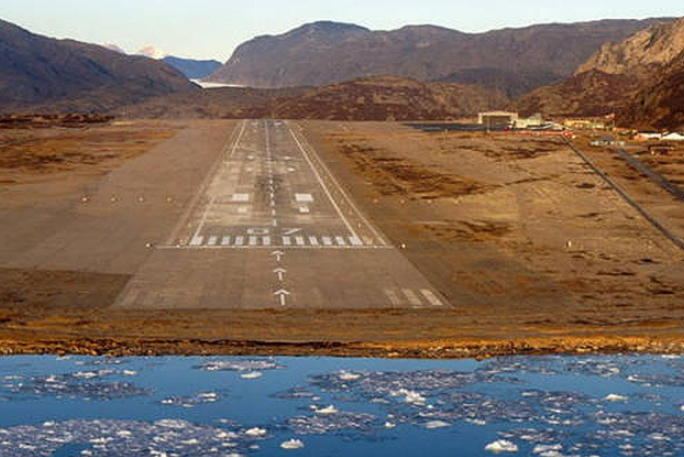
[{"x": 272, "y": 227}]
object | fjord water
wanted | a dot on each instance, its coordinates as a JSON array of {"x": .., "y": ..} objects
[{"x": 630, "y": 405}]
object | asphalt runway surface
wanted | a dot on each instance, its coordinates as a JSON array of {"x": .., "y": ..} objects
[{"x": 271, "y": 227}]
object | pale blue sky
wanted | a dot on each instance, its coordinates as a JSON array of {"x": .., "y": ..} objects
[{"x": 213, "y": 28}]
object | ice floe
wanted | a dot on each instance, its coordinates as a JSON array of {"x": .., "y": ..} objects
[
  {"x": 240, "y": 365},
  {"x": 501, "y": 446},
  {"x": 292, "y": 444}
]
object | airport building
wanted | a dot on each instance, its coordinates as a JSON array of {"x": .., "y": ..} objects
[{"x": 494, "y": 118}]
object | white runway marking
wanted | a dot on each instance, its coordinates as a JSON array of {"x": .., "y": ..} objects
[
  {"x": 304, "y": 198},
  {"x": 212, "y": 241},
  {"x": 412, "y": 297},
  {"x": 341, "y": 241},
  {"x": 287, "y": 241},
  {"x": 225, "y": 241},
  {"x": 431, "y": 297},
  {"x": 241, "y": 198},
  {"x": 313, "y": 241},
  {"x": 239, "y": 240},
  {"x": 197, "y": 241},
  {"x": 393, "y": 298},
  {"x": 327, "y": 241},
  {"x": 300, "y": 241},
  {"x": 355, "y": 241}
]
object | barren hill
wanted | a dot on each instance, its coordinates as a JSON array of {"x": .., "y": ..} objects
[
  {"x": 612, "y": 79},
  {"x": 325, "y": 53},
  {"x": 38, "y": 70},
  {"x": 383, "y": 98}
]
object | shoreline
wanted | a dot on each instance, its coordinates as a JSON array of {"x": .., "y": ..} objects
[{"x": 424, "y": 349}]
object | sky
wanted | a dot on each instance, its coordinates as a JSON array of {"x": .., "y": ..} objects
[{"x": 214, "y": 28}]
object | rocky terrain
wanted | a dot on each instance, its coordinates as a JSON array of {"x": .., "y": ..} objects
[
  {"x": 640, "y": 77},
  {"x": 324, "y": 53},
  {"x": 383, "y": 98},
  {"x": 72, "y": 76}
]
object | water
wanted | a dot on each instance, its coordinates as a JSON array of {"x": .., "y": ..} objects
[{"x": 194, "y": 407}]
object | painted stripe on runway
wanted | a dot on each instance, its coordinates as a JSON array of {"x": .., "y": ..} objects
[
  {"x": 393, "y": 297},
  {"x": 327, "y": 241},
  {"x": 412, "y": 297},
  {"x": 313, "y": 241},
  {"x": 287, "y": 241},
  {"x": 239, "y": 240},
  {"x": 355, "y": 241},
  {"x": 197, "y": 241},
  {"x": 212, "y": 241},
  {"x": 300, "y": 241},
  {"x": 266, "y": 240},
  {"x": 341, "y": 241},
  {"x": 253, "y": 241},
  {"x": 225, "y": 241},
  {"x": 431, "y": 297}
]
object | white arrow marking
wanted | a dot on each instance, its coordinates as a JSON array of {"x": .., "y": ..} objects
[
  {"x": 282, "y": 295},
  {"x": 280, "y": 272},
  {"x": 278, "y": 255}
]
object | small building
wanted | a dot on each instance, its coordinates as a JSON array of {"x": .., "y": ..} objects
[
  {"x": 673, "y": 137},
  {"x": 648, "y": 136},
  {"x": 525, "y": 123},
  {"x": 497, "y": 118},
  {"x": 585, "y": 124}
]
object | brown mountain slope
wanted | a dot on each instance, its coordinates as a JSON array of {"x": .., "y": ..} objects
[
  {"x": 325, "y": 53},
  {"x": 37, "y": 70},
  {"x": 661, "y": 103},
  {"x": 382, "y": 98},
  {"x": 611, "y": 79}
]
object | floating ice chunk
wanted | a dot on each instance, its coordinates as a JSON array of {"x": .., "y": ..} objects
[
  {"x": 349, "y": 376},
  {"x": 130, "y": 373},
  {"x": 172, "y": 423},
  {"x": 436, "y": 424},
  {"x": 251, "y": 376},
  {"x": 501, "y": 446},
  {"x": 390, "y": 425},
  {"x": 292, "y": 445},
  {"x": 682, "y": 408},
  {"x": 478, "y": 422},
  {"x": 411, "y": 397},
  {"x": 240, "y": 365},
  {"x": 256, "y": 432},
  {"x": 545, "y": 449},
  {"x": 328, "y": 410},
  {"x": 615, "y": 398}
]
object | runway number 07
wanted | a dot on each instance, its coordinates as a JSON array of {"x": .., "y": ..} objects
[{"x": 267, "y": 231}]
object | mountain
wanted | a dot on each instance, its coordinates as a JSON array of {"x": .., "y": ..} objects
[
  {"x": 612, "y": 79},
  {"x": 193, "y": 69},
  {"x": 39, "y": 70},
  {"x": 381, "y": 98},
  {"x": 661, "y": 103},
  {"x": 325, "y": 53}
]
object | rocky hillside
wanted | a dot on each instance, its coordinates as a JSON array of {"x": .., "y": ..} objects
[
  {"x": 382, "y": 98},
  {"x": 661, "y": 103},
  {"x": 36, "y": 70},
  {"x": 612, "y": 79},
  {"x": 324, "y": 53}
]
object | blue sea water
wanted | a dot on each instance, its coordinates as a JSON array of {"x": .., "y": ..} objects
[{"x": 555, "y": 406}]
